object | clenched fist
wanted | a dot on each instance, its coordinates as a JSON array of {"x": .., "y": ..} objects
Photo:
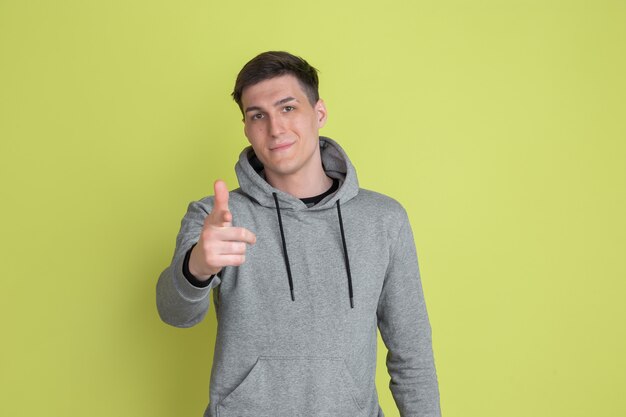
[{"x": 220, "y": 244}]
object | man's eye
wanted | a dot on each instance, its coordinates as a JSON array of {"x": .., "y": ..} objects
[
  {"x": 257, "y": 116},
  {"x": 289, "y": 108}
]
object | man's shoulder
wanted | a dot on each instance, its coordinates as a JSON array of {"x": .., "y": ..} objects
[
  {"x": 379, "y": 199},
  {"x": 376, "y": 202}
]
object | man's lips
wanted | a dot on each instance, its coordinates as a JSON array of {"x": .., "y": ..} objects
[{"x": 281, "y": 146}]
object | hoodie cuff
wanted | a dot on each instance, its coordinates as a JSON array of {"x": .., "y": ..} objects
[
  {"x": 185, "y": 288},
  {"x": 190, "y": 277}
]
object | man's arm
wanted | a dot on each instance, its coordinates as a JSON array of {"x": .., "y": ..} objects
[
  {"x": 405, "y": 329},
  {"x": 179, "y": 302},
  {"x": 206, "y": 243}
]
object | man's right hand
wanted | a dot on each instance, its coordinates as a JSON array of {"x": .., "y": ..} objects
[{"x": 220, "y": 244}]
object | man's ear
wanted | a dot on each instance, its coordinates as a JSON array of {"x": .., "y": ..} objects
[
  {"x": 322, "y": 113},
  {"x": 245, "y": 128}
]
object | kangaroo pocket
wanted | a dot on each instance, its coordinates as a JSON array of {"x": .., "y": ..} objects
[{"x": 285, "y": 386}]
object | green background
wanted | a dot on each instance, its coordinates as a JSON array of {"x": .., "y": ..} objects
[{"x": 499, "y": 125}]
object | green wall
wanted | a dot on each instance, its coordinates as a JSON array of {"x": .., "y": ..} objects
[{"x": 499, "y": 125}]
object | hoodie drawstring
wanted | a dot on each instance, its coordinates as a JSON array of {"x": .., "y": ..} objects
[
  {"x": 345, "y": 254},
  {"x": 286, "y": 256}
]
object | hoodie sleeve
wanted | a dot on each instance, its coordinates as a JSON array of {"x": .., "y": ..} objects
[
  {"x": 405, "y": 329},
  {"x": 179, "y": 302}
]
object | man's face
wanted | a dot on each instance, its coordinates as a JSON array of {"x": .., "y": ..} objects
[{"x": 282, "y": 126}]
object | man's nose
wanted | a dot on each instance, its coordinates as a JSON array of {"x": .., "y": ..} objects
[{"x": 277, "y": 126}]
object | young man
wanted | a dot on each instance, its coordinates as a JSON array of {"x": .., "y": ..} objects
[{"x": 304, "y": 266}]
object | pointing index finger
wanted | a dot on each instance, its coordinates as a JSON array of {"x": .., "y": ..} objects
[{"x": 221, "y": 196}]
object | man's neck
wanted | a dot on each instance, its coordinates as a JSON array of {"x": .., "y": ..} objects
[{"x": 301, "y": 186}]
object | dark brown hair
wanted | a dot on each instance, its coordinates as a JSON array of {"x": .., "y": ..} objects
[{"x": 274, "y": 64}]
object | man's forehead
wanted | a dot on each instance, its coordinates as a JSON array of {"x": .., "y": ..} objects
[{"x": 272, "y": 90}]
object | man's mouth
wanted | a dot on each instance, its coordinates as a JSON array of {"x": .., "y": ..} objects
[{"x": 281, "y": 146}]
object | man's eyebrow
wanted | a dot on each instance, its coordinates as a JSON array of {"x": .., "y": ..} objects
[
  {"x": 278, "y": 103},
  {"x": 252, "y": 108},
  {"x": 285, "y": 100}
]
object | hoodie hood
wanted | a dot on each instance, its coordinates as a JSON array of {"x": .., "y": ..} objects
[{"x": 249, "y": 170}]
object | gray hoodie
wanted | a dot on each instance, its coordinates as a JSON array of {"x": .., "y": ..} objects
[{"x": 296, "y": 333}]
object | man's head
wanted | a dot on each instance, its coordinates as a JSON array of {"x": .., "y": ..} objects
[
  {"x": 282, "y": 115},
  {"x": 273, "y": 64}
]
